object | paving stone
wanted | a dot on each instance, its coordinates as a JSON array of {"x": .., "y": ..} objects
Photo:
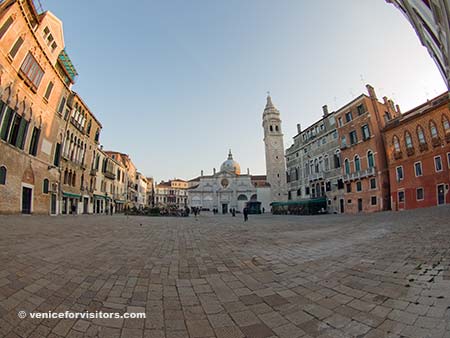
[{"x": 257, "y": 331}]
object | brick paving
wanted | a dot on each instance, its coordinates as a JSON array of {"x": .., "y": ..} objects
[{"x": 380, "y": 275}]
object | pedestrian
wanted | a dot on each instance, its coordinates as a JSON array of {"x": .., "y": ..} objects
[
  {"x": 264, "y": 210},
  {"x": 245, "y": 214}
]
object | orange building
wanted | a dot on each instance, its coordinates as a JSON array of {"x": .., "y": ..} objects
[
  {"x": 365, "y": 172},
  {"x": 418, "y": 151},
  {"x": 35, "y": 79}
]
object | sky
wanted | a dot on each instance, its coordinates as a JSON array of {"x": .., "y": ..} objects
[{"x": 178, "y": 83}]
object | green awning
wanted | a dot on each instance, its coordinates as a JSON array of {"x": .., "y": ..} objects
[
  {"x": 69, "y": 194},
  {"x": 102, "y": 196}
]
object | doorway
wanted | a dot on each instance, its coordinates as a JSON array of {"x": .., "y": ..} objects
[
  {"x": 53, "y": 204},
  {"x": 224, "y": 208},
  {"x": 27, "y": 198},
  {"x": 85, "y": 205},
  {"x": 360, "y": 205},
  {"x": 440, "y": 194},
  {"x": 341, "y": 205}
]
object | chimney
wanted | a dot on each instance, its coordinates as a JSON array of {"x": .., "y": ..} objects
[
  {"x": 386, "y": 101},
  {"x": 299, "y": 128},
  {"x": 248, "y": 171},
  {"x": 214, "y": 171},
  {"x": 398, "y": 109},
  {"x": 371, "y": 91},
  {"x": 101, "y": 146},
  {"x": 325, "y": 110},
  {"x": 201, "y": 173}
]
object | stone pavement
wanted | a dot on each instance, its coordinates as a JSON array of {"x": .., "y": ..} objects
[{"x": 380, "y": 275}]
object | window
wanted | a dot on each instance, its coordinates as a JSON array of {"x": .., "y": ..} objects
[
  {"x": 271, "y": 128},
  {"x": 448, "y": 159},
  {"x": 340, "y": 121},
  {"x": 358, "y": 186},
  {"x": 337, "y": 160},
  {"x": 3, "y": 172},
  {"x": 276, "y": 128},
  {"x": 438, "y": 163},
  {"x": 57, "y": 154},
  {"x": 373, "y": 200},
  {"x": 34, "y": 141},
  {"x": 343, "y": 141},
  {"x": 408, "y": 140},
  {"x": 418, "y": 169},
  {"x": 387, "y": 116},
  {"x": 396, "y": 144},
  {"x": 445, "y": 124},
  {"x": 306, "y": 190},
  {"x": 360, "y": 109},
  {"x": 45, "y": 186},
  {"x": 370, "y": 159},
  {"x": 6, "y": 26},
  {"x": 347, "y": 166},
  {"x": 419, "y": 194},
  {"x": 15, "y": 48},
  {"x": 348, "y": 116},
  {"x": 49, "y": 90},
  {"x": 357, "y": 163},
  {"x": 62, "y": 104},
  {"x": 365, "y": 131},
  {"x": 401, "y": 196},
  {"x": 373, "y": 183},
  {"x": 353, "y": 137},
  {"x": 349, "y": 187},
  {"x": 31, "y": 69},
  {"x": 14, "y": 129},
  {"x": 421, "y": 135},
  {"x": 97, "y": 135},
  {"x": 399, "y": 171},
  {"x": 433, "y": 130}
]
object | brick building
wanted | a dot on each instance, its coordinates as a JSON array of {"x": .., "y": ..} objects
[
  {"x": 364, "y": 166},
  {"x": 35, "y": 78},
  {"x": 418, "y": 152}
]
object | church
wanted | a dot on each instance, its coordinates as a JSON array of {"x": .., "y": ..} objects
[{"x": 228, "y": 189}]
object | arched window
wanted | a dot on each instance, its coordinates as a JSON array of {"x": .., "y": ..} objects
[
  {"x": 74, "y": 179},
  {"x": 66, "y": 174},
  {"x": 326, "y": 163},
  {"x": 370, "y": 159},
  {"x": 276, "y": 128},
  {"x": 45, "y": 186},
  {"x": 421, "y": 135},
  {"x": 433, "y": 130},
  {"x": 316, "y": 166},
  {"x": 97, "y": 135},
  {"x": 347, "y": 166},
  {"x": 271, "y": 128},
  {"x": 357, "y": 163},
  {"x": 242, "y": 198},
  {"x": 69, "y": 178},
  {"x": 396, "y": 144},
  {"x": 408, "y": 140},
  {"x": 445, "y": 124},
  {"x": 3, "y": 172}
]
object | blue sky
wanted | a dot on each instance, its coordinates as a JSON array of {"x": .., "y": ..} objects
[{"x": 177, "y": 83}]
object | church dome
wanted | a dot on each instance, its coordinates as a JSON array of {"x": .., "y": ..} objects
[{"x": 230, "y": 165}]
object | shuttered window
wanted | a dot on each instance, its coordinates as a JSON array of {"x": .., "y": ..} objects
[{"x": 16, "y": 47}]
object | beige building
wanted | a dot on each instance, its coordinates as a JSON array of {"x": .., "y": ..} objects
[
  {"x": 35, "y": 79},
  {"x": 171, "y": 194}
]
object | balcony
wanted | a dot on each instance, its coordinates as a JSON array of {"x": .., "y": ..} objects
[
  {"x": 316, "y": 176},
  {"x": 423, "y": 146},
  {"x": 359, "y": 175},
  {"x": 398, "y": 155},
  {"x": 410, "y": 151},
  {"x": 436, "y": 142},
  {"x": 109, "y": 175}
]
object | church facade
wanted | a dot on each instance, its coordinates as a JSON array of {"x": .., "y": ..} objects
[{"x": 228, "y": 189}]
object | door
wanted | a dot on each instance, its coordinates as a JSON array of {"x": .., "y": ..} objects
[
  {"x": 26, "y": 200},
  {"x": 53, "y": 204},
  {"x": 341, "y": 205},
  {"x": 440, "y": 194},
  {"x": 85, "y": 205},
  {"x": 360, "y": 206},
  {"x": 224, "y": 208}
]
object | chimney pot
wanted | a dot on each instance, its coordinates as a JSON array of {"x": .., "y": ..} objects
[
  {"x": 299, "y": 128},
  {"x": 325, "y": 110}
]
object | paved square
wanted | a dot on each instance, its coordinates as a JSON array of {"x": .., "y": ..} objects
[{"x": 380, "y": 275}]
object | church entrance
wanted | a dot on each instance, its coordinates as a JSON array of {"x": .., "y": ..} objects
[{"x": 224, "y": 208}]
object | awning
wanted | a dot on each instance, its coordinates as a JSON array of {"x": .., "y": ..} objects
[
  {"x": 102, "y": 197},
  {"x": 69, "y": 194}
]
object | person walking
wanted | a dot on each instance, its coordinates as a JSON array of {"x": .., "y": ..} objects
[{"x": 245, "y": 214}]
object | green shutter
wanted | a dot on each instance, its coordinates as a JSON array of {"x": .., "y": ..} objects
[
  {"x": 6, "y": 124},
  {"x": 22, "y": 133}
]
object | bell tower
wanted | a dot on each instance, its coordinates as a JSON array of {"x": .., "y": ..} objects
[{"x": 275, "y": 161}]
